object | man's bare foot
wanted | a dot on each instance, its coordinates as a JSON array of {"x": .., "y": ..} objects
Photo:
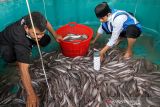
[{"x": 127, "y": 55}]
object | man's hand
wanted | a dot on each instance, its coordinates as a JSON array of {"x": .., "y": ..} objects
[
  {"x": 102, "y": 52},
  {"x": 102, "y": 55},
  {"x": 32, "y": 101},
  {"x": 58, "y": 38},
  {"x": 93, "y": 41}
]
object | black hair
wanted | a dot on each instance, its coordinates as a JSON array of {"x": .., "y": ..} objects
[
  {"x": 39, "y": 21},
  {"x": 102, "y": 10}
]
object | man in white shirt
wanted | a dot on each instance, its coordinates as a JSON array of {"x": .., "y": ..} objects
[{"x": 118, "y": 23}]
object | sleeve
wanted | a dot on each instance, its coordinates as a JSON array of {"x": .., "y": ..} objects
[
  {"x": 23, "y": 53},
  {"x": 117, "y": 28},
  {"x": 100, "y": 30}
]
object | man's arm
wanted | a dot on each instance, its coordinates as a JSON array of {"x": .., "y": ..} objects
[
  {"x": 99, "y": 32},
  {"x": 52, "y": 31},
  {"x": 95, "y": 39},
  {"x": 117, "y": 28},
  {"x": 32, "y": 99}
]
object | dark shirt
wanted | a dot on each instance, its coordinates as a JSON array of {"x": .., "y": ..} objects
[{"x": 14, "y": 45}]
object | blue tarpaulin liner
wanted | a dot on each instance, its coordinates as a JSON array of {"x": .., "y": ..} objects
[{"x": 60, "y": 12}]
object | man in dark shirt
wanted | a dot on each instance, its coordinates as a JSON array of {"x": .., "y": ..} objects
[{"x": 16, "y": 42}]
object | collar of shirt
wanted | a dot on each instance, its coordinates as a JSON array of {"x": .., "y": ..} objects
[
  {"x": 22, "y": 22},
  {"x": 109, "y": 17},
  {"x": 28, "y": 36}
]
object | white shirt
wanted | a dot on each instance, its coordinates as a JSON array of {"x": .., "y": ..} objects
[{"x": 117, "y": 28}]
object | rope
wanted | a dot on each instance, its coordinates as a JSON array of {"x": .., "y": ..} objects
[
  {"x": 136, "y": 8},
  {"x": 44, "y": 8},
  {"x": 38, "y": 48}
]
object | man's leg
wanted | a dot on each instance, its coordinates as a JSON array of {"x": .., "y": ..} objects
[
  {"x": 128, "y": 52},
  {"x": 132, "y": 33}
]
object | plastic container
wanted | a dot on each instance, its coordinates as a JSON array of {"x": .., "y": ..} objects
[
  {"x": 76, "y": 47},
  {"x": 96, "y": 61}
]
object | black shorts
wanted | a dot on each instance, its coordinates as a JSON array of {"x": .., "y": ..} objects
[{"x": 132, "y": 31}]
